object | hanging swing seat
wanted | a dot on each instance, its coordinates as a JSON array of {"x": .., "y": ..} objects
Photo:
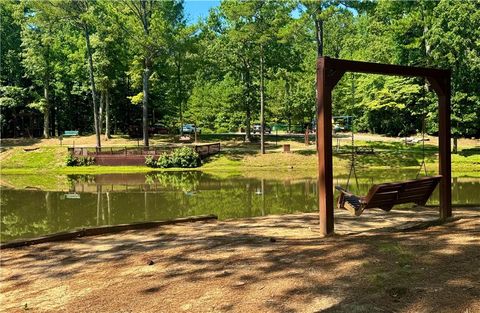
[{"x": 385, "y": 196}]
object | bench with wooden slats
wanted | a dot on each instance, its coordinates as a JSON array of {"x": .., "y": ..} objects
[
  {"x": 385, "y": 196},
  {"x": 70, "y": 133}
]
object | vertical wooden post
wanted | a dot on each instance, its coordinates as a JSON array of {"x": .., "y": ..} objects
[
  {"x": 324, "y": 148},
  {"x": 444, "y": 135}
]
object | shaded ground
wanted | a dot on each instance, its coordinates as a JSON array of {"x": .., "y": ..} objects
[{"x": 236, "y": 266}]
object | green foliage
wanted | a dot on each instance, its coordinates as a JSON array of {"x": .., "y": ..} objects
[
  {"x": 212, "y": 103},
  {"x": 208, "y": 73},
  {"x": 184, "y": 157},
  {"x": 164, "y": 161},
  {"x": 185, "y": 181},
  {"x": 72, "y": 160},
  {"x": 10, "y": 53},
  {"x": 150, "y": 161},
  {"x": 137, "y": 99},
  {"x": 12, "y": 97}
]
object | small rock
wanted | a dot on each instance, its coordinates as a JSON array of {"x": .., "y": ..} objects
[
  {"x": 239, "y": 283},
  {"x": 273, "y": 239},
  {"x": 223, "y": 274},
  {"x": 150, "y": 262}
]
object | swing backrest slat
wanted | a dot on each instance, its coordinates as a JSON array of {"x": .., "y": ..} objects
[{"x": 387, "y": 195}]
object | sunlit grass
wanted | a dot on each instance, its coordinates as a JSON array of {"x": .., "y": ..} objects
[{"x": 239, "y": 157}]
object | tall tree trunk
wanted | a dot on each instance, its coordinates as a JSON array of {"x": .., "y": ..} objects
[
  {"x": 426, "y": 44},
  {"x": 248, "y": 118},
  {"x": 319, "y": 39},
  {"x": 55, "y": 121},
  {"x": 100, "y": 111},
  {"x": 248, "y": 113},
  {"x": 181, "y": 118},
  {"x": 146, "y": 75},
  {"x": 92, "y": 86},
  {"x": 179, "y": 96},
  {"x": 319, "y": 35},
  {"x": 107, "y": 115},
  {"x": 46, "y": 112},
  {"x": 262, "y": 105}
]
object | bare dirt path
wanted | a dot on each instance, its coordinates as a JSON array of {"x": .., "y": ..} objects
[{"x": 266, "y": 264}]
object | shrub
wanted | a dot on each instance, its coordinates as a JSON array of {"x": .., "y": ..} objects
[
  {"x": 87, "y": 161},
  {"x": 71, "y": 160},
  {"x": 150, "y": 161},
  {"x": 183, "y": 157},
  {"x": 164, "y": 161},
  {"x": 79, "y": 161}
]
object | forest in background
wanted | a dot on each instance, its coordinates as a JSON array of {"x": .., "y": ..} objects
[{"x": 104, "y": 66}]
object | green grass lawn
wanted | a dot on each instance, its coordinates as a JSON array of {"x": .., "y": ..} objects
[{"x": 239, "y": 157}]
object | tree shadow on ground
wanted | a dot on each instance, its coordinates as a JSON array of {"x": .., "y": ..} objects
[
  {"x": 306, "y": 152},
  {"x": 19, "y": 142},
  {"x": 269, "y": 138},
  {"x": 232, "y": 155},
  {"x": 428, "y": 270},
  {"x": 469, "y": 152}
]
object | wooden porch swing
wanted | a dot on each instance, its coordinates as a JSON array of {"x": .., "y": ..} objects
[{"x": 384, "y": 196}]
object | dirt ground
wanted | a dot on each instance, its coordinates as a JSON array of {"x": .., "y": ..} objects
[{"x": 265, "y": 264}]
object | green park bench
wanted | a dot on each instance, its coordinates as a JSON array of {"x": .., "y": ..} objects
[{"x": 70, "y": 133}]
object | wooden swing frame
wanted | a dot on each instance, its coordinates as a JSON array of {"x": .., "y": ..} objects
[{"x": 329, "y": 72}]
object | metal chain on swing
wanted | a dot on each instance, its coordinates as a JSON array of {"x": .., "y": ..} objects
[
  {"x": 352, "y": 159},
  {"x": 423, "y": 102}
]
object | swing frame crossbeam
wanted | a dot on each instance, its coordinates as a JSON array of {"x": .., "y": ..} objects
[{"x": 329, "y": 72}]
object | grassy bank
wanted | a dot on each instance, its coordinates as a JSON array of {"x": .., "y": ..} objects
[{"x": 240, "y": 158}]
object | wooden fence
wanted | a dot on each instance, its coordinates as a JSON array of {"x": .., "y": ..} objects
[{"x": 136, "y": 155}]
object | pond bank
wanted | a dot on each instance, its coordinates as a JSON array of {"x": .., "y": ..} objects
[
  {"x": 240, "y": 157},
  {"x": 102, "y": 230},
  {"x": 52, "y": 161},
  {"x": 268, "y": 264}
]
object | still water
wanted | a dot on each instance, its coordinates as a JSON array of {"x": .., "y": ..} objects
[{"x": 92, "y": 200}]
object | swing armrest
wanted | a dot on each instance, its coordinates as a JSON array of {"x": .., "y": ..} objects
[{"x": 344, "y": 191}]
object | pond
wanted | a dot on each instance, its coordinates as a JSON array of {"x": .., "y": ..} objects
[{"x": 93, "y": 200}]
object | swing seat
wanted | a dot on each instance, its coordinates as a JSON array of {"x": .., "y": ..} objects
[{"x": 385, "y": 196}]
